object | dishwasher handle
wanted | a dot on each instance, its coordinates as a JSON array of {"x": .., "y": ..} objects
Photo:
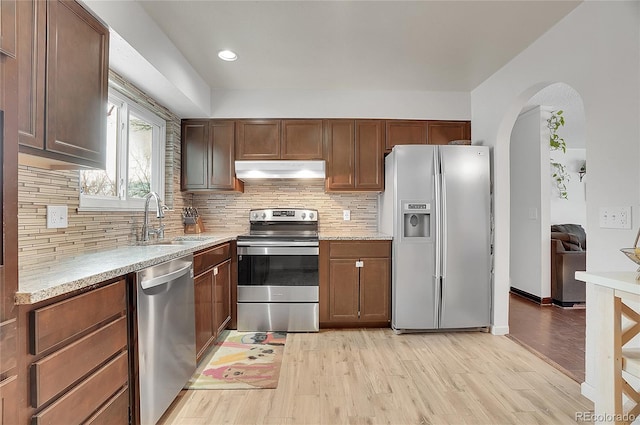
[{"x": 165, "y": 278}]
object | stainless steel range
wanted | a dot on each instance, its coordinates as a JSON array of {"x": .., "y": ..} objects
[{"x": 278, "y": 271}]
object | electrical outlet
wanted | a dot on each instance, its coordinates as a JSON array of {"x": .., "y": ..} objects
[
  {"x": 346, "y": 215},
  {"x": 57, "y": 217},
  {"x": 615, "y": 217}
]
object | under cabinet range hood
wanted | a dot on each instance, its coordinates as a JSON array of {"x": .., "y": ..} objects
[{"x": 287, "y": 169}]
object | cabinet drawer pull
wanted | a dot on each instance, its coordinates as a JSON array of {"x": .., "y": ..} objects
[{"x": 359, "y": 264}]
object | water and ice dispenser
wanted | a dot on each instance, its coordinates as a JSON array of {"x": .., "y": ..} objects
[{"x": 416, "y": 219}]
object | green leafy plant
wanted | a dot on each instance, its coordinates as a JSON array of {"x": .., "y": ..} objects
[
  {"x": 560, "y": 175},
  {"x": 559, "y": 172}
]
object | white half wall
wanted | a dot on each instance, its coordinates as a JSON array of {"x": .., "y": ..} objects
[
  {"x": 596, "y": 50},
  {"x": 433, "y": 105},
  {"x": 530, "y": 238}
]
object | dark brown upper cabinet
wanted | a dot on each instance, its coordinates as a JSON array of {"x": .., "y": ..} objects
[
  {"x": 403, "y": 132},
  {"x": 443, "y": 132},
  {"x": 301, "y": 139},
  {"x": 355, "y": 155},
  {"x": 63, "y": 66},
  {"x": 279, "y": 139},
  {"x": 8, "y": 27},
  {"x": 208, "y": 152},
  {"x": 258, "y": 139}
]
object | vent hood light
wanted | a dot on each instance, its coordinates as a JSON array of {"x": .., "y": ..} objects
[{"x": 247, "y": 170}]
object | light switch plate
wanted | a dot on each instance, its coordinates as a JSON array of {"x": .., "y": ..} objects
[
  {"x": 346, "y": 215},
  {"x": 57, "y": 216},
  {"x": 615, "y": 217}
]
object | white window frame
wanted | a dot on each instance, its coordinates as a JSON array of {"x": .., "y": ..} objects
[{"x": 122, "y": 202}]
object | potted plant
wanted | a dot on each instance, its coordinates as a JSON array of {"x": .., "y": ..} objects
[{"x": 558, "y": 171}]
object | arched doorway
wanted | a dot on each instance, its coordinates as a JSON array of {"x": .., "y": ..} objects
[{"x": 554, "y": 331}]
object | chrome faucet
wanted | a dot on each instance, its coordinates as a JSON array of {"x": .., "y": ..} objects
[{"x": 146, "y": 229}]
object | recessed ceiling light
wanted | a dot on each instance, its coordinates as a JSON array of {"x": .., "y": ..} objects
[{"x": 227, "y": 55}]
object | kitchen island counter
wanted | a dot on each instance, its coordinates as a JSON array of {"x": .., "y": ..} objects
[
  {"x": 608, "y": 294},
  {"x": 60, "y": 277}
]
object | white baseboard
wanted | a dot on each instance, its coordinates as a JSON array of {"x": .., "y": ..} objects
[
  {"x": 499, "y": 330},
  {"x": 588, "y": 391}
]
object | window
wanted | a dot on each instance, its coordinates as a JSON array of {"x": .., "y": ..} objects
[{"x": 135, "y": 159}]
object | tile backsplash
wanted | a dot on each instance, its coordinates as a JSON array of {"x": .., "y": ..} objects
[
  {"x": 228, "y": 212},
  {"x": 86, "y": 231},
  {"x": 231, "y": 211}
]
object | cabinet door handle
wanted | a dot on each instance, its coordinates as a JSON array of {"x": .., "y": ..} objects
[
  {"x": 359, "y": 264},
  {"x": 215, "y": 271}
]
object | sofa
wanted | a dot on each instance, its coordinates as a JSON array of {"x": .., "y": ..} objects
[{"x": 568, "y": 255}]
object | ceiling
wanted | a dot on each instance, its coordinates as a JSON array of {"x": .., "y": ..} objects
[{"x": 353, "y": 45}]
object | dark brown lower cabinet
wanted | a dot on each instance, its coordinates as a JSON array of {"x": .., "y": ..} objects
[
  {"x": 9, "y": 401},
  {"x": 212, "y": 295},
  {"x": 355, "y": 283},
  {"x": 78, "y": 358},
  {"x": 222, "y": 296},
  {"x": 204, "y": 311}
]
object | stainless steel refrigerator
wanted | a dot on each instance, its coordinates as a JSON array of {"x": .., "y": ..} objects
[{"x": 437, "y": 206}]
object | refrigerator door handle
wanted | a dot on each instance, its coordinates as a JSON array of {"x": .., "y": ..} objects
[
  {"x": 442, "y": 300},
  {"x": 437, "y": 211},
  {"x": 443, "y": 212},
  {"x": 437, "y": 284}
]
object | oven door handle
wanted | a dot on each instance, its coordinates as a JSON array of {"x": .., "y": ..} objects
[
  {"x": 278, "y": 250},
  {"x": 277, "y": 243}
]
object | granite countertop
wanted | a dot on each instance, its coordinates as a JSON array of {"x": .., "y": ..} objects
[
  {"x": 346, "y": 236},
  {"x": 62, "y": 276}
]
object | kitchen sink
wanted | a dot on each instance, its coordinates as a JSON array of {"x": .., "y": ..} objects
[
  {"x": 167, "y": 242},
  {"x": 172, "y": 242}
]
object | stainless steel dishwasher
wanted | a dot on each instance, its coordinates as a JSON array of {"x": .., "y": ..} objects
[{"x": 166, "y": 334}]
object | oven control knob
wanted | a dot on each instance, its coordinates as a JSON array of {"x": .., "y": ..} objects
[
  {"x": 255, "y": 216},
  {"x": 311, "y": 216},
  {"x": 263, "y": 216},
  {"x": 303, "y": 215}
]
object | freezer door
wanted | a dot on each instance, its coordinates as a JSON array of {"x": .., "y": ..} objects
[
  {"x": 414, "y": 292},
  {"x": 466, "y": 238}
]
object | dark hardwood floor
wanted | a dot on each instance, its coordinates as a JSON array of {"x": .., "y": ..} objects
[{"x": 555, "y": 334}]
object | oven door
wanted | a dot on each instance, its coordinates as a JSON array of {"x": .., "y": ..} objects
[{"x": 275, "y": 272}]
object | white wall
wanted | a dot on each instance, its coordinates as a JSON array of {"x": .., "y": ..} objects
[
  {"x": 340, "y": 104},
  {"x": 574, "y": 208},
  {"x": 529, "y": 259},
  {"x": 596, "y": 50}
]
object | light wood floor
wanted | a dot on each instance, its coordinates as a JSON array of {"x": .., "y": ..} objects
[{"x": 375, "y": 377}]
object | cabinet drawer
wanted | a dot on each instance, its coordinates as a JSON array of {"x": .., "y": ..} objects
[
  {"x": 54, "y": 373},
  {"x": 360, "y": 249},
  {"x": 84, "y": 399},
  {"x": 115, "y": 411},
  {"x": 9, "y": 401},
  {"x": 61, "y": 321},
  {"x": 204, "y": 260},
  {"x": 8, "y": 346}
]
